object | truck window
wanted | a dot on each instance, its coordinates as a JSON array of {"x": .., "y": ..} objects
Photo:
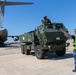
[
  {"x": 59, "y": 26},
  {"x": 50, "y": 26}
]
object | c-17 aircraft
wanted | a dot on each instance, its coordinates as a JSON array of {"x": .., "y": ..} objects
[{"x": 3, "y": 31}]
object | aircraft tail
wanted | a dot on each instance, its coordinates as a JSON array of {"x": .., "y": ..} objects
[
  {"x": 3, "y": 3},
  {"x": 1, "y": 12}
]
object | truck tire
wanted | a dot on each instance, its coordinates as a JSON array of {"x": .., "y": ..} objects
[
  {"x": 26, "y": 51},
  {"x": 40, "y": 54},
  {"x": 22, "y": 49},
  {"x": 61, "y": 52}
]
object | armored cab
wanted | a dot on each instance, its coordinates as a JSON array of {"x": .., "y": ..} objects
[{"x": 45, "y": 38}]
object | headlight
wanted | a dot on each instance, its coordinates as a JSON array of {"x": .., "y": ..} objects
[{"x": 49, "y": 46}]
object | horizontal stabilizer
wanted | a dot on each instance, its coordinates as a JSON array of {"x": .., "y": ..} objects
[{"x": 16, "y": 3}]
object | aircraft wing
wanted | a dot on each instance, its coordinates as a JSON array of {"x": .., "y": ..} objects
[
  {"x": 15, "y": 38},
  {"x": 12, "y": 35},
  {"x": 16, "y": 3}
]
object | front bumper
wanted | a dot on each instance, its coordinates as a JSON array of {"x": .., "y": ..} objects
[{"x": 55, "y": 47}]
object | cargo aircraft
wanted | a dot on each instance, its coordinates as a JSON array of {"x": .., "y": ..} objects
[{"x": 4, "y": 31}]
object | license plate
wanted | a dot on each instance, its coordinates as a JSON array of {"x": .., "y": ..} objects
[{"x": 57, "y": 38}]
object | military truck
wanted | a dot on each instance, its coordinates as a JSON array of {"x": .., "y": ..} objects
[{"x": 45, "y": 38}]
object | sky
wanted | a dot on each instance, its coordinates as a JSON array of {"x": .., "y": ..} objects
[{"x": 24, "y": 18}]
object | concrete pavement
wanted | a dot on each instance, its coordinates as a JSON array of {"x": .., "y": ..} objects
[{"x": 12, "y": 62}]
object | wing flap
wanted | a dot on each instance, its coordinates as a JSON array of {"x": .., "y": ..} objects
[{"x": 16, "y": 3}]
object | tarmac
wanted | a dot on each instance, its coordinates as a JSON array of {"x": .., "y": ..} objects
[{"x": 12, "y": 62}]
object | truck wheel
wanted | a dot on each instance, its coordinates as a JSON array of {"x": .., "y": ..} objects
[
  {"x": 22, "y": 49},
  {"x": 61, "y": 52},
  {"x": 26, "y": 51},
  {"x": 40, "y": 54}
]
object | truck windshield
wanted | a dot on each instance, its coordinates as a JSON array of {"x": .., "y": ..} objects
[
  {"x": 56, "y": 26},
  {"x": 50, "y": 26},
  {"x": 59, "y": 26}
]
